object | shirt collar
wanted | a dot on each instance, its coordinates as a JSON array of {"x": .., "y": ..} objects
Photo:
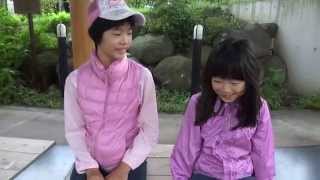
[
  {"x": 114, "y": 71},
  {"x": 222, "y": 106}
]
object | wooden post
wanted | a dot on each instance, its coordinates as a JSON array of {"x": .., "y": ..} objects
[
  {"x": 33, "y": 65},
  {"x": 81, "y": 43}
]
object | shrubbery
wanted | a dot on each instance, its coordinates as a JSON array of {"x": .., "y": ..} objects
[
  {"x": 174, "y": 18},
  {"x": 14, "y": 50}
]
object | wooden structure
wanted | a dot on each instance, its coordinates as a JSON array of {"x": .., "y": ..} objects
[
  {"x": 81, "y": 43},
  {"x": 18, "y": 153}
]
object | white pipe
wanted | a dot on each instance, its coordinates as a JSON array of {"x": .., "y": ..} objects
[
  {"x": 198, "y": 32},
  {"x": 61, "y": 30}
]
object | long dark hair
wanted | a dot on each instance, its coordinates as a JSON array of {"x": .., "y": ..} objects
[{"x": 231, "y": 58}]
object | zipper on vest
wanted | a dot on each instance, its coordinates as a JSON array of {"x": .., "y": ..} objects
[{"x": 103, "y": 119}]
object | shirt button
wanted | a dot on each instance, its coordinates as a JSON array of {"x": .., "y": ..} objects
[{"x": 217, "y": 142}]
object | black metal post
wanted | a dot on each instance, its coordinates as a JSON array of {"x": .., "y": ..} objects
[
  {"x": 63, "y": 67},
  {"x": 196, "y": 59}
]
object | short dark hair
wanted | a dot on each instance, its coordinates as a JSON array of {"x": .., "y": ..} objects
[
  {"x": 231, "y": 58},
  {"x": 100, "y": 25}
]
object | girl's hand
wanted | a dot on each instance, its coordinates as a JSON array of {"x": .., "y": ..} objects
[
  {"x": 115, "y": 176},
  {"x": 119, "y": 173},
  {"x": 94, "y": 174}
]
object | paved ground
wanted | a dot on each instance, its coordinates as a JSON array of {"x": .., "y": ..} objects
[{"x": 291, "y": 128}]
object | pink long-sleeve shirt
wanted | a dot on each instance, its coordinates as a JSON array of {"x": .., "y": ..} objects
[
  {"x": 216, "y": 151},
  {"x": 76, "y": 131}
]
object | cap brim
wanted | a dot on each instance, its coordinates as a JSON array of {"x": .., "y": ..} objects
[{"x": 120, "y": 14}]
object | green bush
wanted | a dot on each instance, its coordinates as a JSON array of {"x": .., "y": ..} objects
[
  {"x": 173, "y": 19},
  {"x": 215, "y": 25},
  {"x": 43, "y": 41},
  {"x": 15, "y": 39},
  {"x": 45, "y": 30},
  {"x": 308, "y": 102},
  {"x": 313, "y": 102},
  {"x": 11, "y": 48},
  {"x": 46, "y": 27},
  {"x": 48, "y": 22},
  {"x": 214, "y": 19},
  {"x": 48, "y": 6},
  {"x": 30, "y": 97},
  {"x": 170, "y": 101},
  {"x": 14, "y": 50},
  {"x": 12, "y": 53},
  {"x": 7, "y": 85},
  {"x": 141, "y": 3},
  {"x": 176, "y": 19},
  {"x": 273, "y": 89},
  {"x": 15, "y": 93}
]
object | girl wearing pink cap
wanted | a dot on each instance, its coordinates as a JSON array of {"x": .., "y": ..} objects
[
  {"x": 226, "y": 132},
  {"x": 111, "y": 119}
]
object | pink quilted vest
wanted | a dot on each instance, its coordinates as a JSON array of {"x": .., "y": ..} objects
[{"x": 110, "y": 100}]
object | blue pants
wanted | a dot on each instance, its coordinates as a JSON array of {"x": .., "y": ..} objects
[
  {"x": 203, "y": 177},
  {"x": 139, "y": 173}
]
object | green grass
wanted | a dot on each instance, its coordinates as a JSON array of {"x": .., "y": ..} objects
[
  {"x": 307, "y": 102},
  {"x": 170, "y": 101},
  {"x": 23, "y": 96},
  {"x": 50, "y": 99}
]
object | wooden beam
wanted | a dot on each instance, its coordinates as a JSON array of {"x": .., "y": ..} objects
[{"x": 81, "y": 43}]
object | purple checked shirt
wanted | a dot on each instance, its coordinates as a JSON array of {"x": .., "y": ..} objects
[{"x": 217, "y": 151}]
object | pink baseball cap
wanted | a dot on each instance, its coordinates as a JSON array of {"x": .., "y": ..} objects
[{"x": 113, "y": 10}]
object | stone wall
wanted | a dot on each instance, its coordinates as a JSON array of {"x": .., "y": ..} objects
[{"x": 298, "y": 40}]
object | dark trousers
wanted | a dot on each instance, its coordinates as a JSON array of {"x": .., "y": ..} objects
[
  {"x": 204, "y": 177},
  {"x": 139, "y": 173}
]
